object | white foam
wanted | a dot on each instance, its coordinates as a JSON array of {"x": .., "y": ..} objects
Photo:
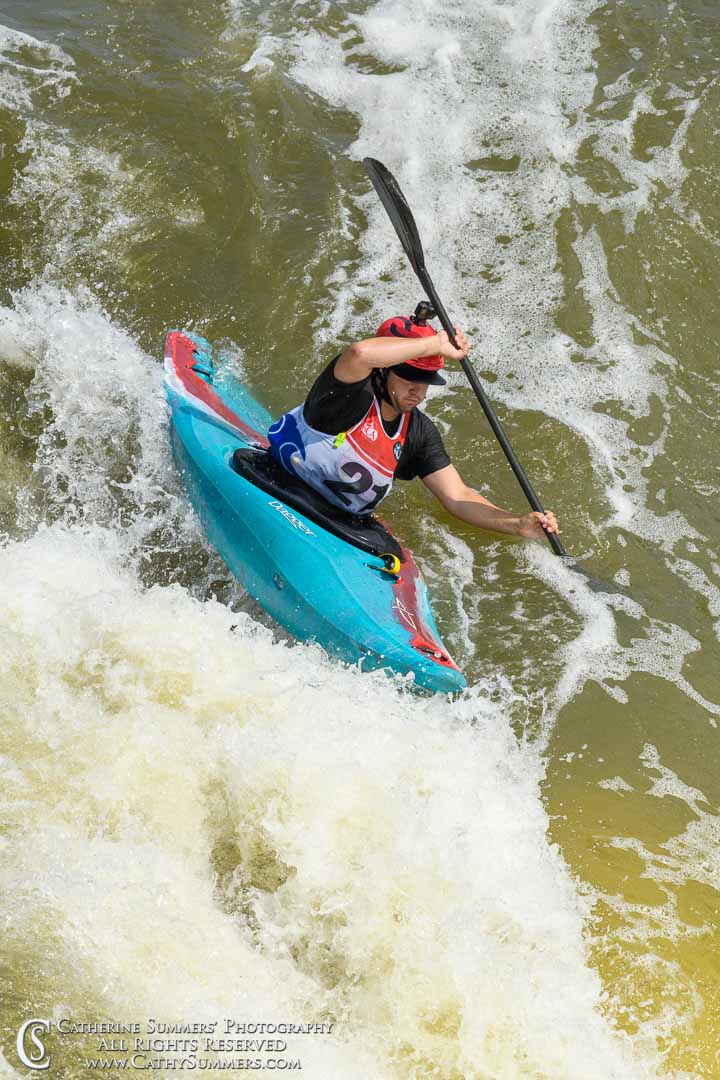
[
  {"x": 90, "y": 202},
  {"x": 516, "y": 82},
  {"x": 99, "y": 460},
  {"x": 261, "y": 60},
  {"x": 388, "y": 862},
  {"x": 453, "y": 564},
  {"x": 511, "y": 80},
  {"x": 659, "y": 649},
  {"x": 426, "y": 122},
  {"x": 617, "y": 368},
  {"x": 77, "y": 219},
  {"x": 443, "y": 840},
  {"x": 675, "y": 866},
  {"x": 656, "y": 176},
  {"x": 701, "y": 583},
  {"x": 29, "y": 66},
  {"x": 615, "y": 783}
]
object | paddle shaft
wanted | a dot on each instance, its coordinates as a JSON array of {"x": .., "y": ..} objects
[
  {"x": 492, "y": 417},
  {"x": 401, "y": 216}
]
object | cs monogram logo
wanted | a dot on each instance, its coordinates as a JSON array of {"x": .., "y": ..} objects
[{"x": 33, "y": 1059}]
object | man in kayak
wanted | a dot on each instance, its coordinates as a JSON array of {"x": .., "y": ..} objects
[{"x": 360, "y": 428}]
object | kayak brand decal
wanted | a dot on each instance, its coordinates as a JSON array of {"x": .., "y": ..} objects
[
  {"x": 295, "y": 522},
  {"x": 404, "y": 613},
  {"x": 405, "y": 606}
]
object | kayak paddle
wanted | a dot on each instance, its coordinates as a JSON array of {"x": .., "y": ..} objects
[{"x": 401, "y": 216}]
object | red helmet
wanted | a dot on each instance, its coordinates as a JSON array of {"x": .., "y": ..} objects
[{"x": 423, "y": 368}]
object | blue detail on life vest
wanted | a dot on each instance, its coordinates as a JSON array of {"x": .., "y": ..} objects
[{"x": 286, "y": 441}]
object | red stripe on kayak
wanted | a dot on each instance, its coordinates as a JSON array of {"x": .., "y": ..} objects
[
  {"x": 405, "y": 610},
  {"x": 181, "y": 351}
]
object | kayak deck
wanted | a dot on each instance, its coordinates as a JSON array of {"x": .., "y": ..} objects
[{"x": 263, "y": 470}]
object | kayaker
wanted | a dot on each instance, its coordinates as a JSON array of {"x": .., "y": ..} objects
[{"x": 360, "y": 428}]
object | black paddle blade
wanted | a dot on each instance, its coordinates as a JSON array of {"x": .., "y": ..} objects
[{"x": 398, "y": 211}]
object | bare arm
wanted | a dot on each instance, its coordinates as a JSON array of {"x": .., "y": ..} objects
[
  {"x": 358, "y": 360},
  {"x": 470, "y": 506}
]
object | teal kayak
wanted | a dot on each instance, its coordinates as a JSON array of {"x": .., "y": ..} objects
[{"x": 323, "y": 575}]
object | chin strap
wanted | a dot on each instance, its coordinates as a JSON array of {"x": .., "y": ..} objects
[{"x": 379, "y": 385}]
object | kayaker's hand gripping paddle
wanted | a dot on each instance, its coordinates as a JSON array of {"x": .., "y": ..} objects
[{"x": 401, "y": 216}]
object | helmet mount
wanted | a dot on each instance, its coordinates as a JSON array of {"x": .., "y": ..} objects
[{"x": 423, "y": 312}]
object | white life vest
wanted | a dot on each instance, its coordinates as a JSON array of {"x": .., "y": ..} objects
[{"x": 353, "y": 470}]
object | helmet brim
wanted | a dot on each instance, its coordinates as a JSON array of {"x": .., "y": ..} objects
[{"x": 413, "y": 374}]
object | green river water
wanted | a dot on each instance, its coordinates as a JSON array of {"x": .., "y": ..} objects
[{"x": 200, "y": 822}]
